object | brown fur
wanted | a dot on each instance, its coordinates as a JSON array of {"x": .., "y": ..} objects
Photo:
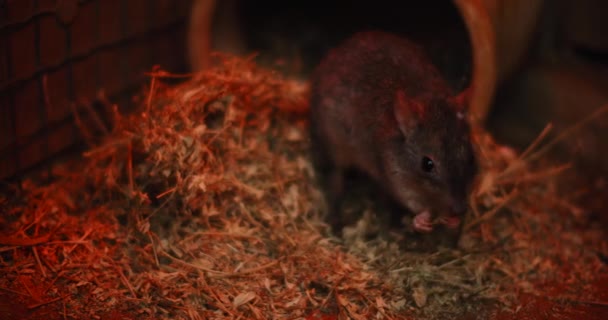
[{"x": 378, "y": 105}]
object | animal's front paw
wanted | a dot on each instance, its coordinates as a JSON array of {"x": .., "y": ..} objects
[{"x": 422, "y": 222}]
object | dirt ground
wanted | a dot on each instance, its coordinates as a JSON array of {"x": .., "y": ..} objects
[{"x": 203, "y": 205}]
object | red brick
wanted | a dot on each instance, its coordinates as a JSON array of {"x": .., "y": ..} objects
[
  {"x": 137, "y": 16},
  {"x": 166, "y": 53},
  {"x": 57, "y": 90},
  {"x": 62, "y": 137},
  {"x": 33, "y": 153},
  {"x": 112, "y": 78},
  {"x": 47, "y": 4},
  {"x": 6, "y": 128},
  {"x": 4, "y": 65},
  {"x": 28, "y": 110},
  {"x": 7, "y": 167},
  {"x": 84, "y": 28},
  {"x": 138, "y": 60},
  {"x": 22, "y": 46},
  {"x": 164, "y": 11},
  {"x": 183, "y": 9},
  {"x": 84, "y": 77},
  {"x": 109, "y": 20},
  {"x": 53, "y": 45},
  {"x": 19, "y": 10}
]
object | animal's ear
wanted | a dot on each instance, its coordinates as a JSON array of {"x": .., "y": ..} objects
[
  {"x": 462, "y": 100},
  {"x": 408, "y": 112}
]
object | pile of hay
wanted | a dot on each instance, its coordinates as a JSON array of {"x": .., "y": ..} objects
[{"x": 203, "y": 205}]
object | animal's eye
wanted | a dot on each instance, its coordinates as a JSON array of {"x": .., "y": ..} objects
[{"x": 427, "y": 164}]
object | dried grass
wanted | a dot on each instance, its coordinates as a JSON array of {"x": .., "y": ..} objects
[{"x": 203, "y": 205}]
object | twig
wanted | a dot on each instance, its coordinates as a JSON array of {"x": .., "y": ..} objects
[
  {"x": 15, "y": 292},
  {"x": 126, "y": 281},
  {"x": 103, "y": 99},
  {"x": 517, "y": 164},
  {"x": 218, "y": 302},
  {"x": 365, "y": 297},
  {"x": 151, "y": 93},
  {"x": 166, "y": 192},
  {"x": 492, "y": 212},
  {"x": 602, "y": 304},
  {"x": 535, "y": 176},
  {"x": 223, "y": 234},
  {"x": 130, "y": 169},
  {"x": 536, "y": 141},
  {"x": 568, "y": 131},
  {"x": 165, "y": 74},
  {"x": 154, "y": 249},
  {"x": 95, "y": 116},
  {"x": 115, "y": 143},
  {"x": 457, "y": 284},
  {"x": 34, "y": 306},
  {"x": 453, "y": 261},
  {"x": 40, "y": 266},
  {"x": 192, "y": 265},
  {"x": 65, "y": 312},
  {"x": 45, "y": 93},
  {"x": 13, "y": 241},
  {"x": 79, "y": 241},
  {"x": 50, "y": 285},
  {"x": 247, "y": 271},
  {"x": 85, "y": 133}
]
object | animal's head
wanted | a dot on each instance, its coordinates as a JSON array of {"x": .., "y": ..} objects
[{"x": 432, "y": 165}]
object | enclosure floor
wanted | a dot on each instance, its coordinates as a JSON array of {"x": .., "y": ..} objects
[
  {"x": 196, "y": 151},
  {"x": 12, "y": 307}
]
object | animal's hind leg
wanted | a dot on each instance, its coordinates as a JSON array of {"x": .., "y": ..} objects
[
  {"x": 335, "y": 195},
  {"x": 331, "y": 180}
]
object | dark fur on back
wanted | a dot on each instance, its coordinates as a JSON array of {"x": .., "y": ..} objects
[{"x": 353, "y": 123}]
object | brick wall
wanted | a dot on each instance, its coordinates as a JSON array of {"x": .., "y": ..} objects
[{"x": 56, "y": 54}]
